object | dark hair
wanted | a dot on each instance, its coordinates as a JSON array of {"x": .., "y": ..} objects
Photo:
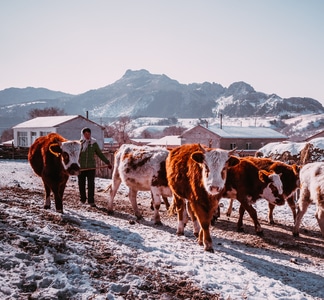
[{"x": 86, "y": 129}]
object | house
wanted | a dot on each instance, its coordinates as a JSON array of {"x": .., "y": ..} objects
[
  {"x": 169, "y": 141},
  {"x": 68, "y": 126},
  {"x": 245, "y": 139}
]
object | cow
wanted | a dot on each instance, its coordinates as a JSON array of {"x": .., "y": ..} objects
[
  {"x": 312, "y": 190},
  {"x": 197, "y": 175},
  {"x": 290, "y": 182},
  {"x": 141, "y": 168},
  {"x": 54, "y": 159},
  {"x": 247, "y": 183}
]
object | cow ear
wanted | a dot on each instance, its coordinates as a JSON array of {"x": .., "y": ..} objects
[
  {"x": 296, "y": 169},
  {"x": 198, "y": 157},
  {"x": 233, "y": 160},
  {"x": 264, "y": 176}
]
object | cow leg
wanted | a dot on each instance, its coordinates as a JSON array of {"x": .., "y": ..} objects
[
  {"x": 204, "y": 237},
  {"x": 166, "y": 202},
  {"x": 181, "y": 213},
  {"x": 253, "y": 214},
  {"x": 303, "y": 203},
  {"x": 132, "y": 198},
  {"x": 195, "y": 223},
  {"x": 270, "y": 213},
  {"x": 47, "y": 202},
  {"x": 116, "y": 181},
  {"x": 230, "y": 208},
  {"x": 320, "y": 216},
  {"x": 157, "y": 203},
  {"x": 292, "y": 204}
]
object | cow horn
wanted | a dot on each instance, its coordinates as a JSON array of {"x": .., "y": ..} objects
[{"x": 57, "y": 154}]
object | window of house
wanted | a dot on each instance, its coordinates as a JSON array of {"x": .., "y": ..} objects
[
  {"x": 22, "y": 139},
  {"x": 44, "y": 133},
  {"x": 232, "y": 146},
  {"x": 33, "y": 136},
  {"x": 248, "y": 146}
]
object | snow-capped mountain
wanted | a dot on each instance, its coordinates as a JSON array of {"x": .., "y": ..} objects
[{"x": 140, "y": 93}]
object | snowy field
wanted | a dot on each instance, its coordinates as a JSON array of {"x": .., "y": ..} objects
[{"x": 87, "y": 254}]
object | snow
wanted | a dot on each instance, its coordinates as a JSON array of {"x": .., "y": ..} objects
[{"x": 234, "y": 271}]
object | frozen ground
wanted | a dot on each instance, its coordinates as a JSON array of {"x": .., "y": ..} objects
[{"x": 87, "y": 254}]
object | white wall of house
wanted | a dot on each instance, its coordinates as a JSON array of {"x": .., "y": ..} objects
[{"x": 71, "y": 130}]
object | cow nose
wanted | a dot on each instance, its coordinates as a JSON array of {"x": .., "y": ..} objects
[
  {"x": 214, "y": 189},
  {"x": 74, "y": 169},
  {"x": 279, "y": 201}
]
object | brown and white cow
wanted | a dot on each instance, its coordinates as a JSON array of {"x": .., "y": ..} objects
[
  {"x": 54, "y": 158},
  {"x": 141, "y": 168},
  {"x": 247, "y": 183},
  {"x": 312, "y": 190},
  {"x": 289, "y": 177},
  {"x": 197, "y": 175}
]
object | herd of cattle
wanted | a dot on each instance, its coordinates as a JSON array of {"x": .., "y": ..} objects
[{"x": 196, "y": 177}]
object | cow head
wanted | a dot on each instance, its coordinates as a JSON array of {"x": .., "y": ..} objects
[
  {"x": 214, "y": 164},
  {"x": 273, "y": 191},
  {"x": 69, "y": 152}
]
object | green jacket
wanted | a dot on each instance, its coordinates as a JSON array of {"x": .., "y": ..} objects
[{"x": 87, "y": 157}]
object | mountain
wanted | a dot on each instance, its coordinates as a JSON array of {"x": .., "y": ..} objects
[{"x": 140, "y": 93}]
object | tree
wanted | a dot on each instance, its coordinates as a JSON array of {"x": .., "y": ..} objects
[
  {"x": 7, "y": 135},
  {"x": 174, "y": 130},
  {"x": 46, "y": 112},
  {"x": 119, "y": 130}
]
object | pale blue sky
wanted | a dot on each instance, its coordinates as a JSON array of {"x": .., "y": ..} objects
[{"x": 73, "y": 46}]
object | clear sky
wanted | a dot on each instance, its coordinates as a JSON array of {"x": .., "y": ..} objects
[{"x": 73, "y": 46}]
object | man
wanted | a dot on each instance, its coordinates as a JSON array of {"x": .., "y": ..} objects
[{"x": 89, "y": 147}]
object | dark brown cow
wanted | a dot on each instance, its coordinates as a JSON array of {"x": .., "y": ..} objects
[
  {"x": 54, "y": 158},
  {"x": 247, "y": 183},
  {"x": 289, "y": 177},
  {"x": 198, "y": 175}
]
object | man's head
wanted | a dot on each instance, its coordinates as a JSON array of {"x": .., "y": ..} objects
[{"x": 86, "y": 133}]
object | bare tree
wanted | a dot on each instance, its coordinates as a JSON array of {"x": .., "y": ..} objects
[
  {"x": 119, "y": 130},
  {"x": 45, "y": 112},
  {"x": 7, "y": 135},
  {"x": 174, "y": 130}
]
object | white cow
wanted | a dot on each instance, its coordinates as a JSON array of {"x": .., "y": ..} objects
[
  {"x": 141, "y": 168},
  {"x": 312, "y": 190}
]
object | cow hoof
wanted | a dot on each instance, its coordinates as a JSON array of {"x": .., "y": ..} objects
[
  {"x": 296, "y": 234},
  {"x": 196, "y": 234},
  {"x": 241, "y": 229},
  {"x": 110, "y": 212},
  {"x": 211, "y": 250},
  {"x": 159, "y": 223},
  {"x": 59, "y": 211},
  {"x": 272, "y": 222},
  {"x": 47, "y": 206},
  {"x": 139, "y": 218},
  {"x": 180, "y": 233},
  {"x": 260, "y": 233}
]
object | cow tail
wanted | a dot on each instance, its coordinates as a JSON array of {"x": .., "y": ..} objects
[{"x": 172, "y": 209}]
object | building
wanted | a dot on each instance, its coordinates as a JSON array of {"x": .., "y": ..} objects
[
  {"x": 245, "y": 139},
  {"x": 67, "y": 126}
]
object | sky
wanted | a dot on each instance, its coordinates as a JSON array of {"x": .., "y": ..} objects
[{"x": 74, "y": 46}]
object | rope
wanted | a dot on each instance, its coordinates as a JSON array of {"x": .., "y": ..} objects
[{"x": 88, "y": 169}]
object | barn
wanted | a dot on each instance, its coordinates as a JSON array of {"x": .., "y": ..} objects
[{"x": 68, "y": 126}]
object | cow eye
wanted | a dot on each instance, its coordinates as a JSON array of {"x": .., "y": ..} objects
[
  {"x": 206, "y": 170},
  {"x": 65, "y": 157}
]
